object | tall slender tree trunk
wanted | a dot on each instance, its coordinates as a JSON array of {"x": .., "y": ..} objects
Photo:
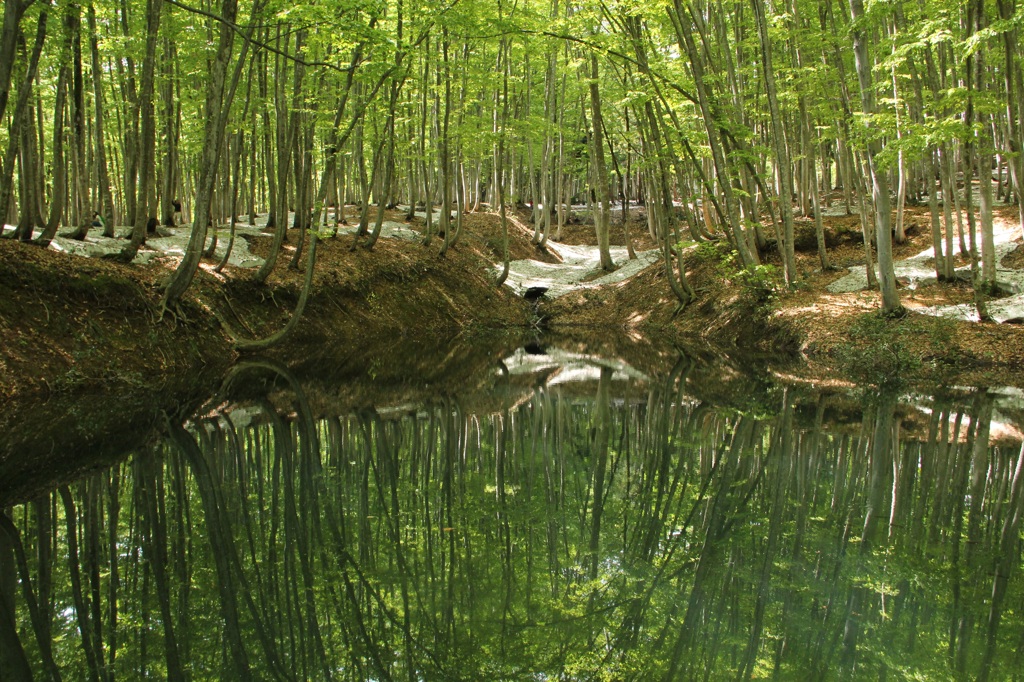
[
  {"x": 59, "y": 198},
  {"x": 217, "y": 107},
  {"x": 172, "y": 113},
  {"x": 106, "y": 199},
  {"x": 976, "y": 155},
  {"x": 500, "y": 162},
  {"x": 783, "y": 165},
  {"x": 879, "y": 184},
  {"x": 14, "y": 10},
  {"x": 603, "y": 213},
  {"x": 147, "y": 134},
  {"x": 1011, "y": 84},
  {"x": 283, "y": 131},
  {"x": 18, "y": 117},
  {"x": 268, "y": 147},
  {"x": 734, "y": 226},
  {"x": 445, "y": 146}
]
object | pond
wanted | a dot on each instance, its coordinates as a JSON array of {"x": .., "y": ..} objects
[{"x": 552, "y": 515}]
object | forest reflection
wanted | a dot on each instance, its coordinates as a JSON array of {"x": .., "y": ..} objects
[{"x": 607, "y": 528}]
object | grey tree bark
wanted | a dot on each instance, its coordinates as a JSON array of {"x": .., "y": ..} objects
[
  {"x": 602, "y": 214},
  {"x": 879, "y": 183},
  {"x": 783, "y": 165},
  {"x": 21, "y": 109},
  {"x": 218, "y": 104},
  {"x": 147, "y": 134}
]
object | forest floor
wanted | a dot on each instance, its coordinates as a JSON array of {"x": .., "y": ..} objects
[
  {"x": 89, "y": 324},
  {"x": 71, "y": 323},
  {"x": 825, "y": 330}
]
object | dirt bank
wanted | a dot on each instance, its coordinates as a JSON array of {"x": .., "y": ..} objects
[
  {"x": 807, "y": 334},
  {"x": 87, "y": 372},
  {"x": 72, "y": 324}
]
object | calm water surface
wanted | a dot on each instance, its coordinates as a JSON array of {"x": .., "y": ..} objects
[{"x": 563, "y": 517}]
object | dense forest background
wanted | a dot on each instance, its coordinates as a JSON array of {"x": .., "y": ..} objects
[{"x": 118, "y": 113}]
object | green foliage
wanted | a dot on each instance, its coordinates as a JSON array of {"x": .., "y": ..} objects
[
  {"x": 707, "y": 252},
  {"x": 877, "y": 353},
  {"x": 759, "y": 286},
  {"x": 941, "y": 335}
]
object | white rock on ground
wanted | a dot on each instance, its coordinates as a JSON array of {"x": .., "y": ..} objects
[
  {"x": 578, "y": 262},
  {"x": 917, "y": 271},
  {"x": 172, "y": 241}
]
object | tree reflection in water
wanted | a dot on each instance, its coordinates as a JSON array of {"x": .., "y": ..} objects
[{"x": 609, "y": 529}]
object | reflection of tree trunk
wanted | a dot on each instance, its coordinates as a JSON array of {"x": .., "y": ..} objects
[
  {"x": 113, "y": 580},
  {"x": 220, "y": 544},
  {"x": 298, "y": 521},
  {"x": 389, "y": 463},
  {"x": 599, "y": 454},
  {"x": 653, "y": 514},
  {"x": 881, "y": 466},
  {"x": 945, "y": 468},
  {"x": 448, "y": 500},
  {"x": 779, "y": 457},
  {"x": 14, "y": 663},
  {"x": 300, "y": 526},
  {"x": 93, "y": 656},
  {"x": 91, "y": 537},
  {"x": 972, "y": 476},
  {"x": 507, "y": 569},
  {"x": 39, "y": 610},
  {"x": 721, "y": 507},
  {"x": 155, "y": 546},
  {"x": 1006, "y": 562}
]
